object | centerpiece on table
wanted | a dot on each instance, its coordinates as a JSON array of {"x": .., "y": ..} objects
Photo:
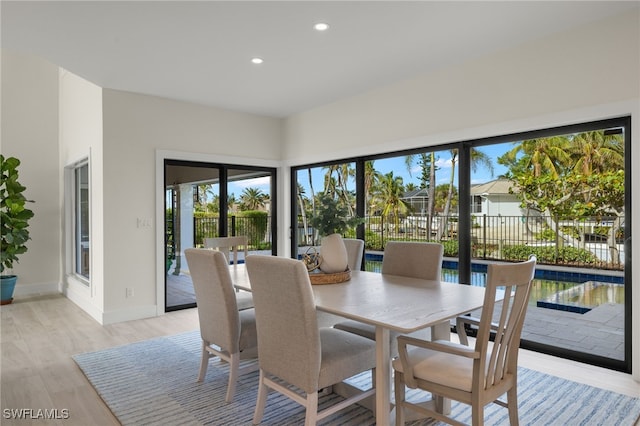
[{"x": 331, "y": 220}]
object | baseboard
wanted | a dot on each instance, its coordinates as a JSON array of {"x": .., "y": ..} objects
[
  {"x": 129, "y": 314},
  {"x": 35, "y": 289},
  {"x": 110, "y": 317},
  {"x": 81, "y": 299}
]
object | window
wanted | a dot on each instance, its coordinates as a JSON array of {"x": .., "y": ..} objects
[
  {"x": 476, "y": 204},
  {"x": 81, "y": 228},
  {"x": 560, "y": 193}
]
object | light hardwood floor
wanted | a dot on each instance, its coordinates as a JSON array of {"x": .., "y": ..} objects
[{"x": 40, "y": 334}]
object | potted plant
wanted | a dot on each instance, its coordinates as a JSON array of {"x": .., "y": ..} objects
[
  {"x": 14, "y": 221},
  {"x": 331, "y": 220}
]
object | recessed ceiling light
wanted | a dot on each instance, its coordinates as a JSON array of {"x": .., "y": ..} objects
[
  {"x": 257, "y": 60},
  {"x": 321, "y": 26}
]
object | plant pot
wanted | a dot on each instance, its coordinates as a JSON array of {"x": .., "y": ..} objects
[
  {"x": 334, "y": 254},
  {"x": 8, "y": 283}
]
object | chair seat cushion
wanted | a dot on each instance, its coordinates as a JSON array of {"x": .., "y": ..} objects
[
  {"x": 356, "y": 327},
  {"x": 440, "y": 367},
  {"x": 248, "y": 332},
  {"x": 344, "y": 355}
]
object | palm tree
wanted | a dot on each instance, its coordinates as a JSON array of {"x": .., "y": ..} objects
[
  {"x": 337, "y": 186},
  {"x": 252, "y": 199},
  {"x": 231, "y": 202},
  {"x": 214, "y": 205},
  {"x": 371, "y": 177},
  {"x": 596, "y": 152},
  {"x": 410, "y": 187},
  {"x": 426, "y": 160},
  {"x": 543, "y": 155},
  {"x": 389, "y": 192},
  {"x": 303, "y": 211},
  {"x": 477, "y": 158},
  {"x": 330, "y": 182},
  {"x": 312, "y": 195}
]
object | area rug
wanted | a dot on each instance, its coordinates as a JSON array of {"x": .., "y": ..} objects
[{"x": 154, "y": 383}]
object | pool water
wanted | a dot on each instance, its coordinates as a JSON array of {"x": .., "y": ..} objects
[{"x": 554, "y": 294}]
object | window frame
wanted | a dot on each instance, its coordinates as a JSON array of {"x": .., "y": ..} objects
[
  {"x": 77, "y": 223},
  {"x": 464, "y": 148}
]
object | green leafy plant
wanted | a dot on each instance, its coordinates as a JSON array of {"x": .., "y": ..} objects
[
  {"x": 14, "y": 216},
  {"x": 252, "y": 223},
  {"x": 332, "y": 218}
]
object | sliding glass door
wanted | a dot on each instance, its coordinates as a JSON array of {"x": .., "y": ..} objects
[
  {"x": 561, "y": 194},
  {"x": 205, "y": 200}
]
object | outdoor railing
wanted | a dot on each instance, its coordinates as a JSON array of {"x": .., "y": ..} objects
[
  {"x": 585, "y": 242},
  {"x": 257, "y": 229}
]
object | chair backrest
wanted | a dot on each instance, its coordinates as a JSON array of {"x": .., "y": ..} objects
[
  {"x": 501, "y": 357},
  {"x": 288, "y": 335},
  {"x": 215, "y": 297},
  {"x": 355, "y": 253},
  {"x": 413, "y": 259},
  {"x": 225, "y": 244}
]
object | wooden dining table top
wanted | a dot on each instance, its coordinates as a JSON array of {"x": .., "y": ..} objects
[{"x": 395, "y": 302}]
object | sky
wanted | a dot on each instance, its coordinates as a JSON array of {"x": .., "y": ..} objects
[{"x": 443, "y": 174}]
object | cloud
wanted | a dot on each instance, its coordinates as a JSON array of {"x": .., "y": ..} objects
[
  {"x": 255, "y": 182},
  {"x": 444, "y": 164}
]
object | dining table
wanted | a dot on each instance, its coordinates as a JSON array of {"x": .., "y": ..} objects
[{"x": 390, "y": 302}]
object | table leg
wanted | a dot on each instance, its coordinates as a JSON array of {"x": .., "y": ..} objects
[{"x": 383, "y": 377}]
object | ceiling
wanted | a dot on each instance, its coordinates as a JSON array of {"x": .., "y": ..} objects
[{"x": 201, "y": 51}]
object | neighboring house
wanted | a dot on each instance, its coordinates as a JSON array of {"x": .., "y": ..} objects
[
  {"x": 494, "y": 199},
  {"x": 417, "y": 200}
]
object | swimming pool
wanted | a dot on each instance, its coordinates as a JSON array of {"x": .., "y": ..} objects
[{"x": 562, "y": 290}]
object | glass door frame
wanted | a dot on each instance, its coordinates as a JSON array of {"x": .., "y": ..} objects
[{"x": 223, "y": 180}]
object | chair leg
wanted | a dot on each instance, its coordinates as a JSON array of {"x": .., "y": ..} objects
[
  {"x": 204, "y": 361},
  {"x": 400, "y": 397},
  {"x": 373, "y": 385},
  {"x": 311, "y": 416},
  {"x": 234, "y": 365},
  {"x": 512, "y": 405},
  {"x": 477, "y": 414},
  {"x": 263, "y": 390}
]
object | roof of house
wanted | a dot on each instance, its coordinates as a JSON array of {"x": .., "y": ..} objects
[
  {"x": 416, "y": 193},
  {"x": 494, "y": 187}
]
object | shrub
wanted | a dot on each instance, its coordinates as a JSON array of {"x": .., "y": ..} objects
[
  {"x": 549, "y": 254},
  {"x": 450, "y": 248},
  {"x": 253, "y": 224}
]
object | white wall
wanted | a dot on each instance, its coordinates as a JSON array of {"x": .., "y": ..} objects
[
  {"x": 81, "y": 139},
  {"x": 139, "y": 131},
  {"x": 591, "y": 66},
  {"x": 30, "y": 133},
  {"x": 587, "y": 74}
]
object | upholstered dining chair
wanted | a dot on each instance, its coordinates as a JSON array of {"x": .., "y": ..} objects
[
  {"x": 355, "y": 252},
  {"x": 226, "y": 331},
  {"x": 292, "y": 349},
  {"x": 474, "y": 375},
  {"x": 407, "y": 259},
  {"x": 228, "y": 246}
]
